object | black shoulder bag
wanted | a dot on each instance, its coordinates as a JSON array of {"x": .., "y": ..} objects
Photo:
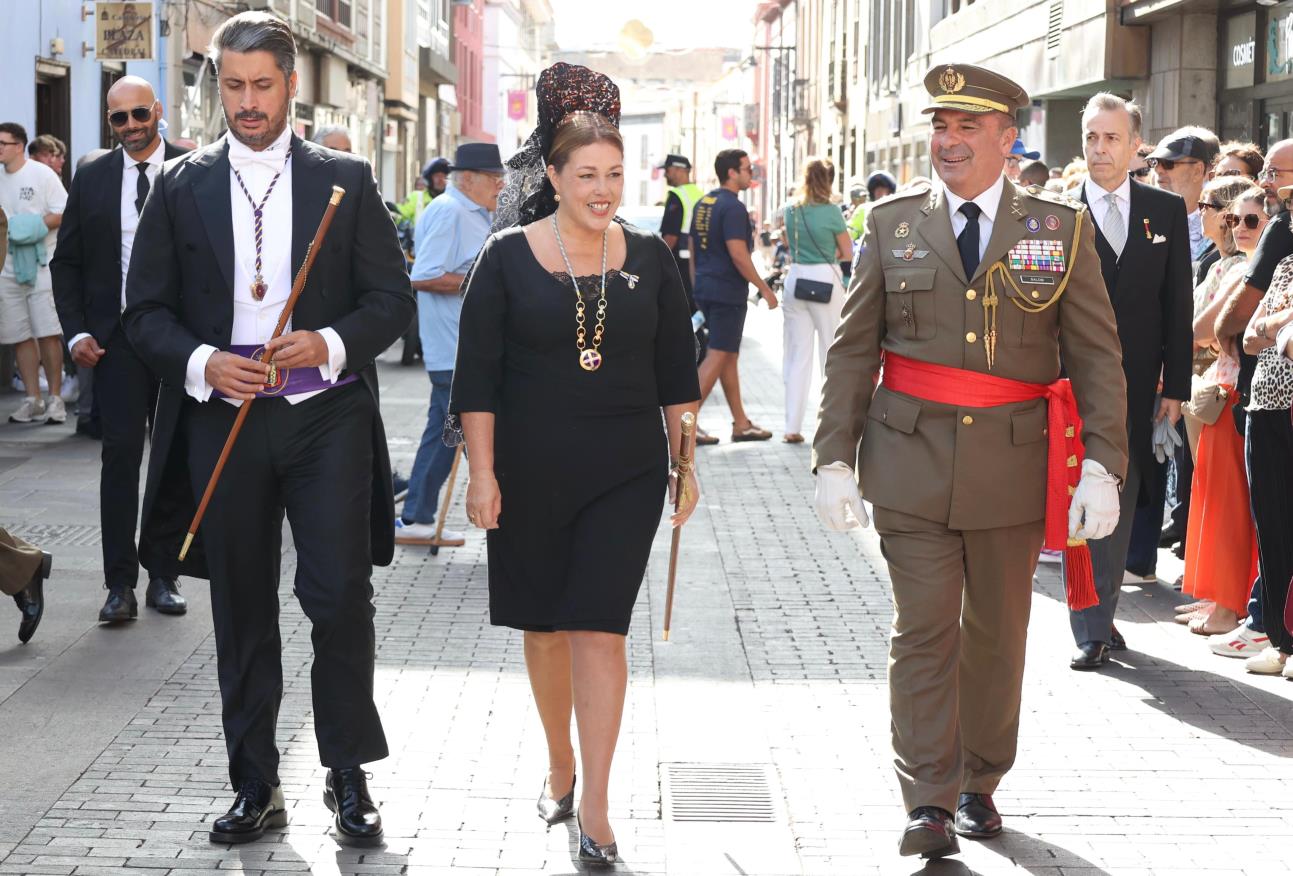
[{"x": 819, "y": 291}]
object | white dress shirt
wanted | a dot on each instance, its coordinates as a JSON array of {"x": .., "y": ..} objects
[
  {"x": 988, "y": 203},
  {"x": 254, "y": 321},
  {"x": 1095, "y": 197},
  {"x": 129, "y": 215}
]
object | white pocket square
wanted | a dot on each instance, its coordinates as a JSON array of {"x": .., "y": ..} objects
[{"x": 1158, "y": 238}]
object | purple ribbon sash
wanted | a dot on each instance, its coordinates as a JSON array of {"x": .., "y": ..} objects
[{"x": 289, "y": 381}]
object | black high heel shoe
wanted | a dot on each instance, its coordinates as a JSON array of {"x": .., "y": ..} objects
[
  {"x": 551, "y": 810},
  {"x": 593, "y": 852}
]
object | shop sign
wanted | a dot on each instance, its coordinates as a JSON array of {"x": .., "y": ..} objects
[
  {"x": 123, "y": 31},
  {"x": 1241, "y": 42},
  {"x": 1279, "y": 44}
]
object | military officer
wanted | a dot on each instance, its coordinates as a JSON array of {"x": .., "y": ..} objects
[{"x": 970, "y": 450}]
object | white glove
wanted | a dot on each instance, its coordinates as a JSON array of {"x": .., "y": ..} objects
[
  {"x": 837, "y": 496},
  {"x": 1166, "y": 440},
  {"x": 1093, "y": 512}
]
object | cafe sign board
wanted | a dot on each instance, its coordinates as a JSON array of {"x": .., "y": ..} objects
[
  {"x": 123, "y": 31},
  {"x": 1241, "y": 50}
]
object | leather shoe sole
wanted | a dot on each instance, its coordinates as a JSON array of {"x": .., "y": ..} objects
[
  {"x": 927, "y": 843},
  {"x": 344, "y": 836},
  {"x": 274, "y": 820}
]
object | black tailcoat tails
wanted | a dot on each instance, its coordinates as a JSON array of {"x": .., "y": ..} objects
[
  {"x": 1151, "y": 290},
  {"x": 321, "y": 462}
]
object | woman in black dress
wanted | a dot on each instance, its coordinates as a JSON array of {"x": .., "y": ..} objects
[{"x": 560, "y": 393}]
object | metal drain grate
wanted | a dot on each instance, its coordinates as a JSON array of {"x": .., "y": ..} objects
[
  {"x": 717, "y": 792},
  {"x": 62, "y": 534}
]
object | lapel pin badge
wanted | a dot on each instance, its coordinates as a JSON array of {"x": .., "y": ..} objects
[
  {"x": 1032, "y": 224},
  {"x": 1149, "y": 235},
  {"x": 902, "y": 230}
]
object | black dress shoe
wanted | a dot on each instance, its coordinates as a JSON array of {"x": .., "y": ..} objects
[
  {"x": 1170, "y": 535},
  {"x": 164, "y": 595},
  {"x": 929, "y": 833},
  {"x": 977, "y": 816},
  {"x": 1090, "y": 655},
  {"x": 1116, "y": 641},
  {"x": 31, "y": 599},
  {"x": 120, "y": 606},
  {"x": 258, "y": 806},
  {"x": 345, "y": 793}
]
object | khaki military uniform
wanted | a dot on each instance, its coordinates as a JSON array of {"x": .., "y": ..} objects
[
  {"x": 18, "y": 563},
  {"x": 959, "y": 492}
]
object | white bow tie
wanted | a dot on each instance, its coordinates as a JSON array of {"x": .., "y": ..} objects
[{"x": 274, "y": 158}]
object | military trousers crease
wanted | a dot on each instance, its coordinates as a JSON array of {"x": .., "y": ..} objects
[
  {"x": 956, "y": 656},
  {"x": 312, "y": 461}
]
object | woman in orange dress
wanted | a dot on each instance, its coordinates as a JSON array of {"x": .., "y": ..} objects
[{"x": 1220, "y": 542}]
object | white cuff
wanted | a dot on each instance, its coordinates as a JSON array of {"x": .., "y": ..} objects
[
  {"x": 1282, "y": 338},
  {"x": 195, "y": 373},
  {"x": 331, "y": 370},
  {"x": 76, "y": 339}
]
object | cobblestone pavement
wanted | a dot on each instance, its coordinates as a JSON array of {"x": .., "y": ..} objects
[{"x": 1171, "y": 762}]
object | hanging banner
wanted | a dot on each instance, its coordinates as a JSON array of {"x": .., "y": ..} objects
[
  {"x": 517, "y": 104},
  {"x": 123, "y": 31},
  {"x": 729, "y": 128}
]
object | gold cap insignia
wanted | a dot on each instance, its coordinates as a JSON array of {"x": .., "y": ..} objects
[{"x": 951, "y": 81}]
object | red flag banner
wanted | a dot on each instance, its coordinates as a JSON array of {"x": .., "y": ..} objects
[{"x": 517, "y": 104}]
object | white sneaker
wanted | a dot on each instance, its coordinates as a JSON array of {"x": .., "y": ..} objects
[
  {"x": 31, "y": 410},
  {"x": 1288, "y": 669},
  {"x": 1049, "y": 556},
  {"x": 1241, "y": 642},
  {"x": 55, "y": 411},
  {"x": 424, "y": 533},
  {"x": 1269, "y": 662}
]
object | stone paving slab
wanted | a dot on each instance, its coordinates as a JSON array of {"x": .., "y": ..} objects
[{"x": 1171, "y": 762}]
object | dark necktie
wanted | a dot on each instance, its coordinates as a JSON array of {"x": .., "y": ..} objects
[
  {"x": 141, "y": 186},
  {"x": 968, "y": 240}
]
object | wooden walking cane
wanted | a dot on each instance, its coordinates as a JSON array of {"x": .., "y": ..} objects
[
  {"x": 686, "y": 452},
  {"x": 444, "y": 505},
  {"x": 298, "y": 285}
]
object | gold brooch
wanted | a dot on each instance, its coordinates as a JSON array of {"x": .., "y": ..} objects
[{"x": 951, "y": 81}]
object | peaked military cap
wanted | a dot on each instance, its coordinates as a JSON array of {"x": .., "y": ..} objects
[{"x": 972, "y": 89}]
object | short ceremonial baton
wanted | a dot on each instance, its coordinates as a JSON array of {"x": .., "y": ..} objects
[
  {"x": 298, "y": 285},
  {"x": 686, "y": 452}
]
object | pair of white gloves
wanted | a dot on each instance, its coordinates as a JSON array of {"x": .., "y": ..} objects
[
  {"x": 1166, "y": 440},
  {"x": 1093, "y": 512}
]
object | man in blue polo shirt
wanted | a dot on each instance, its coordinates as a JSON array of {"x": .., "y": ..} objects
[
  {"x": 450, "y": 233},
  {"x": 722, "y": 243}
]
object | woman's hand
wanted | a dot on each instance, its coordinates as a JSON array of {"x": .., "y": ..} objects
[
  {"x": 484, "y": 501},
  {"x": 690, "y": 496}
]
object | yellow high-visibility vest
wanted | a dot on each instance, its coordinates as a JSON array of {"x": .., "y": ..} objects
[{"x": 689, "y": 194}]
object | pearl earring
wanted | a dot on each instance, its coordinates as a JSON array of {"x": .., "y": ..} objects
[{"x": 557, "y": 197}]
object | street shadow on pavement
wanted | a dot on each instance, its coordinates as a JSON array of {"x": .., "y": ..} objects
[{"x": 1027, "y": 853}]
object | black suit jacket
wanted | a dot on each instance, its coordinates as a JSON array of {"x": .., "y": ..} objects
[
  {"x": 179, "y": 295},
  {"x": 86, "y": 267},
  {"x": 1153, "y": 301}
]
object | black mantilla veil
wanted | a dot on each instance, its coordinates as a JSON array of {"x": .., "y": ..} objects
[{"x": 562, "y": 89}]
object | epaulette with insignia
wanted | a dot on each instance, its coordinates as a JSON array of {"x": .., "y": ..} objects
[
  {"x": 1059, "y": 198},
  {"x": 921, "y": 189}
]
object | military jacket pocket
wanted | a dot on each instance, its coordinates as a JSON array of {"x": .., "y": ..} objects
[
  {"x": 909, "y": 311},
  {"x": 1028, "y": 426},
  {"x": 895, "y": 411},
  {"x": 1028, "y": 313}
]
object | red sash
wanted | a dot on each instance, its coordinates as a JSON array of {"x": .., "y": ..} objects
[{"x": 943, "y": 384}]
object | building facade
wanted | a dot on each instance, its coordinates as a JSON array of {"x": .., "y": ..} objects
[
  {"x": 518, "y": 41},
  {"x": 469, "y": 58}
]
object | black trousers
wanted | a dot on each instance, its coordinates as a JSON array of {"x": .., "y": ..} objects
[
  {"x": 126, "y": 393},
  {"x": 1269, "y": 448},
  {"x": 312, "y": 461}
]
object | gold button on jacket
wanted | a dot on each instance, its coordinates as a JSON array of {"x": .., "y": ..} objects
[{"x": 911, "y": 455}]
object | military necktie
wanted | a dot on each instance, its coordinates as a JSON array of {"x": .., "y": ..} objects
[
  {"x": 968, "y": 240},
  {"x": 141, "y": 186},
  {"x": 1115, "y": 230}
]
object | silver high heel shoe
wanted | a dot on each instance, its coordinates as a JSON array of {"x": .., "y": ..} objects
[
  {"x": 592, "y": 852},
  {"x": 551, "y": 810}
]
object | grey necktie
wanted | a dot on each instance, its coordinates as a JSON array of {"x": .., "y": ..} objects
[{"x": 1115, "y": 230}]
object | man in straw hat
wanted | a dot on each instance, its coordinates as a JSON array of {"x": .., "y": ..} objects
[{"x": 970, "y": 292}]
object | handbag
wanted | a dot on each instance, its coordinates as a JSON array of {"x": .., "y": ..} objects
[
  {"x": 819, "y": 291},
  {"x": 1207, "y": 400}
]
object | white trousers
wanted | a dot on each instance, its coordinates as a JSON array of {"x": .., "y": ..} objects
[{"x": 802, "y": 323}]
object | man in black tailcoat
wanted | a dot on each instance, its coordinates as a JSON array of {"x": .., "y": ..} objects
[{"x": 222, "y": 236}]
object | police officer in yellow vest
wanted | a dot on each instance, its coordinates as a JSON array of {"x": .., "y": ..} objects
[
  {"x": 675, "y": 226},
  {"x": 970, "y": 291}
]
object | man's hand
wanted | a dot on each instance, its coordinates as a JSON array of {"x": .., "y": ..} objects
[
  {"x": 299, "y": 349},
  {"x": 236, "y": 376},
  {"x": 1170, "y": 408},
  {"x": 1094, "y": 510},
  {"x": 769, "y": 297},
  {"x": 839, "y": 503},
  {"x": 87, "y": 352}
]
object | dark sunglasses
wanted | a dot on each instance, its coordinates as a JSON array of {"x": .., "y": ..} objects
[
  {"x": 1208, "y": 205},
  {"x": 1233, "y": 172},
  {"x": 139, "y": 114},
  {"x": 1141, "y": 172},
  {"x": 1170, "y": 163},
  {"x": 1250, "y": 220}
]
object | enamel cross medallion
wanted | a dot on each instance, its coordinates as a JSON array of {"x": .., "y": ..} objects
[{"x": 590, "y": 360}]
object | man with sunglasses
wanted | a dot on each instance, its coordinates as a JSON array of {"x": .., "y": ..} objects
[
  {"x": 1143, "y": 244},
  {"x": 1183, "y": 161},
  {"x": 89, "y": 267}
]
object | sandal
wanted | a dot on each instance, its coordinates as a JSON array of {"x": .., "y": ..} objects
[
  {"x": 1195, "y": 606},
  {"x": 1190, "y": 616},
  {"x": 704, "y": 439},
  {"x": 1199, "y": 626},
  {"x": 792, "y": 438},
  {"x": 751, "y": 432}
]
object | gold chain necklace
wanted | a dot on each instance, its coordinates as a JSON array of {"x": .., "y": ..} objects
[{"x": 590, "y": 359}]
